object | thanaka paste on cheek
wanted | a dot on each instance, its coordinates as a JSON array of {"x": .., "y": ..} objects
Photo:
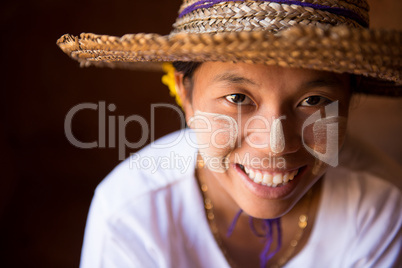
[
  {"x": 328, "y": 135},
  {"x": 216, "y": 137}
]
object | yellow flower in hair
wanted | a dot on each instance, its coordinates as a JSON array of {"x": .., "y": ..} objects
[{"x": 168, "y": 80}]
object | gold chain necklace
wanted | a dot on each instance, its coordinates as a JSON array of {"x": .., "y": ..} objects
[{"x": 303, "y": 222}]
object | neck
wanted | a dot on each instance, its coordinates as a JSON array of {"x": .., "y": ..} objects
[
  {"x": 224, "y": 205},
  {"x": 225, "y": 209}
]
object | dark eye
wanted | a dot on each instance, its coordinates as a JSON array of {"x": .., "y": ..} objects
[
  {"x": 239, "y": 99},
  {"x": 314, "y": 101}
]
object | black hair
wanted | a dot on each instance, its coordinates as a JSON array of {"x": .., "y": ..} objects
[{"x": 187, "y": 69}]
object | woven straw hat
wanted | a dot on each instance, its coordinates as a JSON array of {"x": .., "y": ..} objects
[{"x": 329, "y": 35}]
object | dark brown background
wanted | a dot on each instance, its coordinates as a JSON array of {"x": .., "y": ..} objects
[{"x": 46, "y": 183}]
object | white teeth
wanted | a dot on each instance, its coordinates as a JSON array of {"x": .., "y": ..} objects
[
  {"x": 251, "y": 174},
  {"x": 246, "y": 170},
  {"x": 286, "y": 177},
  {"x": 258, "y": 177},
  {"x": 268, "y": 179},
  {"x": 277, "y": 178}
]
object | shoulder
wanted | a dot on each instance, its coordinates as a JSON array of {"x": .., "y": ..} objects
[
  {"x": 367, "y": 179},
  {"x": 141, "y": 212},
  {"x": 361, "y": 190},
  {"x": 362, "y": 212},
  {"x": 162, "y": 164}
]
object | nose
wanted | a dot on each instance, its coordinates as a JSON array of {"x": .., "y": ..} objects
[
  {"x": 276, "y": 136},
  {"x": 273, "y": 134}
]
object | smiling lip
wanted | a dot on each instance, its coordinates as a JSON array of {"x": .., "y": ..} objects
[
  {"x": 280, "y": 190},
  {"x": 268, "y": 177}
]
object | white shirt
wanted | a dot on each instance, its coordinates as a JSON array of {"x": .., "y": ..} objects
[{"x": 149, "y": 213}]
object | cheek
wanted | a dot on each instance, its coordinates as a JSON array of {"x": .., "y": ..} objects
[
  {"x": 329, "y": 133},
  {"x": 324, "y": 138},
  {"x": 216, "y": 137}
]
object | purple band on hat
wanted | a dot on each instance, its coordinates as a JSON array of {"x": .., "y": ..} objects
[{"x": 334, "y": 10}]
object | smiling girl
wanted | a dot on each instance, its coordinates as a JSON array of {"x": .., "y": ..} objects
[
  {"x": 266, "y": 100},
  {"x": 258, "y": 91}
]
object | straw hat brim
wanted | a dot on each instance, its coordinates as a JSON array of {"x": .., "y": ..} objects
[{"x": 376, "y": 55}]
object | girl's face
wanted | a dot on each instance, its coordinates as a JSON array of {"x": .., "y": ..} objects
[{"x": 266, "y": 134}]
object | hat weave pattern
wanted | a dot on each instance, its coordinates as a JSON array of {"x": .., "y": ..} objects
[
  {"x": 229, "y": 16},
  {"x": 327, "y": 35}
]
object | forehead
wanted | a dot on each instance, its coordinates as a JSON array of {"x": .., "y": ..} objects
[{"x": 264, "y": 76}]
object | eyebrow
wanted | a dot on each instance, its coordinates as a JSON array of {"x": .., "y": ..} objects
[
  {"x": 233, "y": 78},
  {"x": 324, "y": 82}
]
